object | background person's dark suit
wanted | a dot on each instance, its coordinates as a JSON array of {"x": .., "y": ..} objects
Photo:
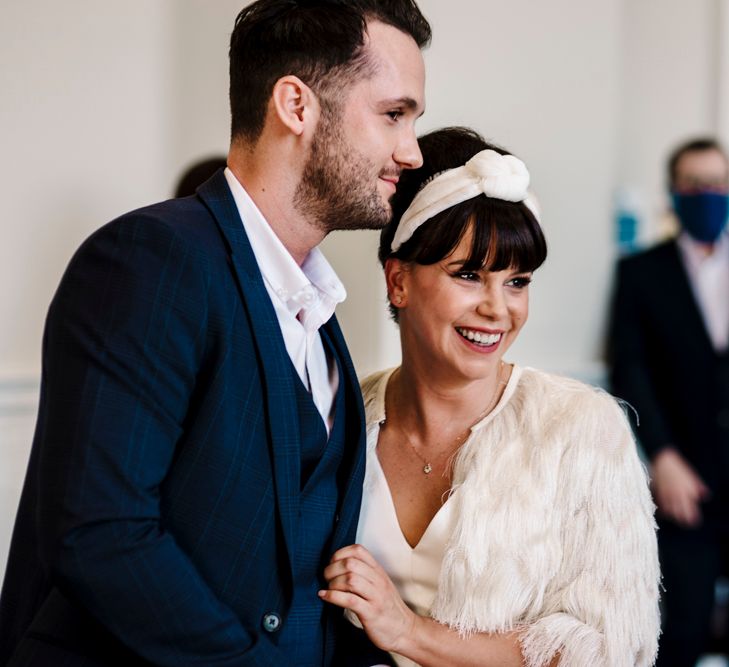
[
  {"x": 163, "y": 503},
  {"x": 665, "y": 366}
]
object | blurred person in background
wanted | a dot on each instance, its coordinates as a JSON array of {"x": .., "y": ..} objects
[
  {"x": 197, "y": 173},
  {"x": 668, "y": 340}
]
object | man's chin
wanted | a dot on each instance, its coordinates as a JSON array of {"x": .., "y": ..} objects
[
  {"x": 372, "y": 222},
  {"x": 384, "y": 218},
  {"x": 387, "y": 209}
]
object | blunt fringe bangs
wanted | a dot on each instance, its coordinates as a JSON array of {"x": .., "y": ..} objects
[{"x": 504, "y": 234}]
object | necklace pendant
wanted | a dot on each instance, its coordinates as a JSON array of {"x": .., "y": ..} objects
[{"x": 427, "y": 468}]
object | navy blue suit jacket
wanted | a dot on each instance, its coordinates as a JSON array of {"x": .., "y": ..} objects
[{"x": 157, "y": 516}]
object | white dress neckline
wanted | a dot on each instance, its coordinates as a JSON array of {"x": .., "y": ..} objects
[{"x": 438, "y": 519}]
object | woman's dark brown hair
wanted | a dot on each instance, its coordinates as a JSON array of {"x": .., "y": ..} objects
[{"x": 505, "y": 234}]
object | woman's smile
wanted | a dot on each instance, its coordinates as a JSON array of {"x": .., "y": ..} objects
[{"x": 488, "y": 340}]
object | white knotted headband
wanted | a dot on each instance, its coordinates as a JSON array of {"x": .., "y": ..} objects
[{"x": 488, "y": 172}]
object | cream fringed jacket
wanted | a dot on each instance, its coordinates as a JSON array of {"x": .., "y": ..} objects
[{"x": 554, "y": 531}]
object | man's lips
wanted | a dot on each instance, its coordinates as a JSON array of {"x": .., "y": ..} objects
[{"x": 392, "y": 180}]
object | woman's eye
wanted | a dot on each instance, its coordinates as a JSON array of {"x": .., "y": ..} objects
[
  {"x": 471, "y": 276},
  {"x": 520, "y": 282}
]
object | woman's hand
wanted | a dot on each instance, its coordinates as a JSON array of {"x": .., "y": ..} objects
[{"x": 357, "y": 582}]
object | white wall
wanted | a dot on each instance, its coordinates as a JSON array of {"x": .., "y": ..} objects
[
  {"x": 102, "y": 104},
  {"x": 201, "y": 118},
  {"x": 84, "y": 126},
  {"x": 673, "y": 61}
]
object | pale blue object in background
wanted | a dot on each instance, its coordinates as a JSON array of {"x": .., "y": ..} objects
[{"x": 627, "y": 216}]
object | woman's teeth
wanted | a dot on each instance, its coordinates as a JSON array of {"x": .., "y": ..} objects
[{"x": 479, "y": 337}]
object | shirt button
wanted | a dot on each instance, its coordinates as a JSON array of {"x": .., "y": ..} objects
[{"x": 271, "y": 621}]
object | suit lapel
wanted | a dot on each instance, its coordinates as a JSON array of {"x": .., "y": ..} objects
[
  {"x": 279, "y": 387},
  {"x": 275, "y": 365},
  {"x": 355, "y": 420}
]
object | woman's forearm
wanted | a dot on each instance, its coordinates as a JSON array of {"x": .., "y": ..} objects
[
  {"x": 358, "y": 583},
  {"x": 432, "y": 644}
]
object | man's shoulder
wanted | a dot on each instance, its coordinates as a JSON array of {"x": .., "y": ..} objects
[
  {"x": 159, "y": 239},
  {"x": 187, "y": 220},
  {"x": 177, "y": 214}
]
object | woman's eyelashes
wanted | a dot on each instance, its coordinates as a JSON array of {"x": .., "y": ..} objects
[
  {"x": 470, "y": 276},
  {"x": 518, "y": 282}
]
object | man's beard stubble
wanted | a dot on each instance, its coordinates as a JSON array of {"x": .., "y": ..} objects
[{"x": 338, "y": 188}]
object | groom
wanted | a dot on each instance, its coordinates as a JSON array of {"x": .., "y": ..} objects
[{"x": 198, "y": 454}]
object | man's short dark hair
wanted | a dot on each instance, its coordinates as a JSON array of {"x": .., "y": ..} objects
[
  {"x": 319, "y": 41},
  {"x": 693, "y": 146}
]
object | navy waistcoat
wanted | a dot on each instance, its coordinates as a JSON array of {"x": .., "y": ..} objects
[{"x": 303, "y": 634}]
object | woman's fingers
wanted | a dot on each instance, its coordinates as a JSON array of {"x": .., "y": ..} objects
[
  {"x": 345, "y": 600},
  {"x": 355, "y": 551},
  {"x": 353, "y": 583},
  {"x": 350, "y": 565},
  {"x": 357, "y": 582}
]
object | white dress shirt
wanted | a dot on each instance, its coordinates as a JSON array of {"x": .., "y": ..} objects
[
  {"x": 304, "y": 298},
  {"x": 709, "y": 278}
]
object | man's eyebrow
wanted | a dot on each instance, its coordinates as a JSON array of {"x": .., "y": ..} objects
[{"x": 405, "y": 102}]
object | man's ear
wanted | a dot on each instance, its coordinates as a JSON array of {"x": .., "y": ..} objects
[
  {"x": 295, "y": 104},
  {"x": 396, "y": 277}
]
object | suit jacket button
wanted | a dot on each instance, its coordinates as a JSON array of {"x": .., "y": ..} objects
[{"x": 271, "y": 621}]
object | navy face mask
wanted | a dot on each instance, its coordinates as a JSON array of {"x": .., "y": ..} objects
[{"x": 702, "y": 215}]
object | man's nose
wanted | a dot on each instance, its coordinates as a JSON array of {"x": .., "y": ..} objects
[{"x": 407, "y": 153}]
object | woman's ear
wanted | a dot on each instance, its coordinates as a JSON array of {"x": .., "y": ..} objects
[
  {"x": 396, "y": 277},
  {"x": 294, "y": 104}
]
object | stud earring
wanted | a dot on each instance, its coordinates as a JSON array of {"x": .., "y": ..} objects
[{"x": 398, "y": 299}]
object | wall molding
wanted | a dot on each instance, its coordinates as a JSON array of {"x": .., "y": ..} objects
[{"x": 19, "y": 394}]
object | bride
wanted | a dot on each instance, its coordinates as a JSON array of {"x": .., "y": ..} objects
[{"x": 506, "y": 518}]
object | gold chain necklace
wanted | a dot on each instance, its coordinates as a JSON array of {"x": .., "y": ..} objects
[{"x": 427, "y": 467}]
